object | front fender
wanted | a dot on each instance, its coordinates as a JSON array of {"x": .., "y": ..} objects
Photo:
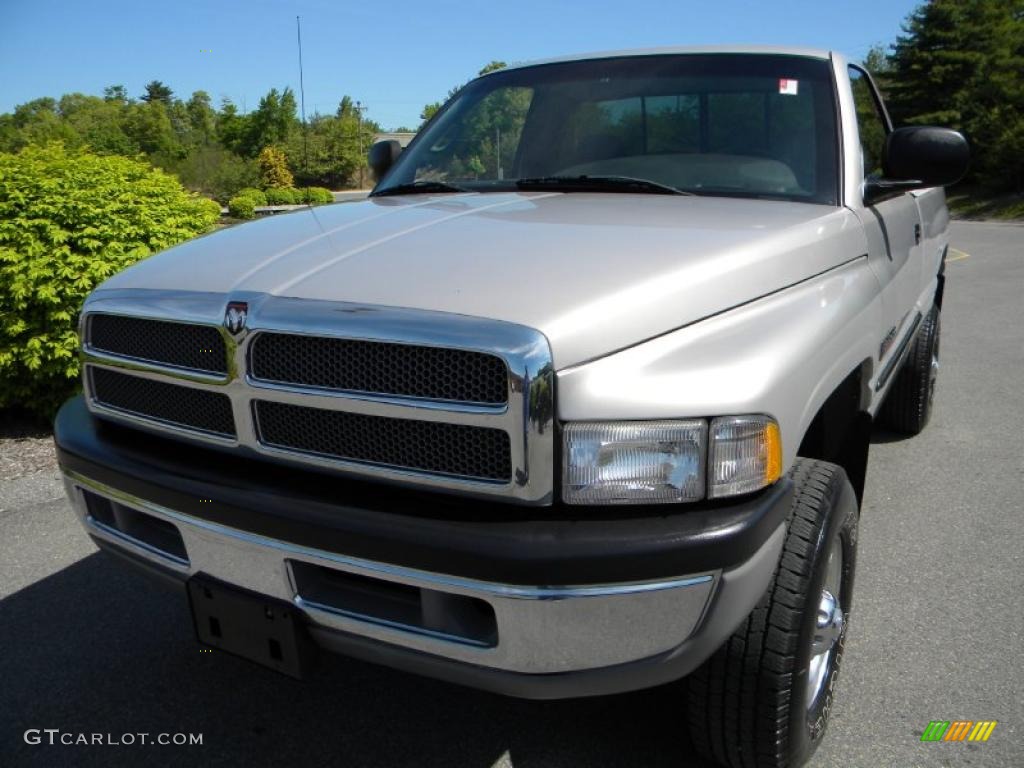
[{"x": 782, "y": 355}]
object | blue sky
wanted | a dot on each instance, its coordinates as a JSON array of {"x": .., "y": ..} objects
[{"x": 393, "y": 55}]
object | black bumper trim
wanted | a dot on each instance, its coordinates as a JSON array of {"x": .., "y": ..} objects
[{"x": 490, "y": 541}]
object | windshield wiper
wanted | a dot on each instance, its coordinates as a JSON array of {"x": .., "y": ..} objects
[
  {"x": 598, "y": 184},
  {"x": 419, "y": 187}
]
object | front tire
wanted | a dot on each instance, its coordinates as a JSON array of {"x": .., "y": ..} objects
[{"x": 764, "y": 699}]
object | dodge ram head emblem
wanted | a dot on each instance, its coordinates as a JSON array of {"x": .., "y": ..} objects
[{"x": 234, "y": 317}]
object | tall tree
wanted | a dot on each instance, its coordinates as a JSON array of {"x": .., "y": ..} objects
[
  {"x": 876, "y": 61},
  {"x": 202, "y": 118},
  {"x": 332, "y": 154},
  {"x": 959, "y": 63},
  {"x": 346, "y": 107},
  {"x": 37, "y": 122},
  {"x": 116, "y": 93},
  {"x": 157, "y": 91},
  {"x": 429, "y": 110},
  {"x": 493, "y": 66},
  {"x": 99, "y": 123},
  {"x": 272, "y": 121},
  {"x": 149, "y": 126},
  {"x": 232, "y": 127}
]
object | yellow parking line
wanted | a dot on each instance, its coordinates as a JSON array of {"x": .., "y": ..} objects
[{"x": 959, "y": 255}]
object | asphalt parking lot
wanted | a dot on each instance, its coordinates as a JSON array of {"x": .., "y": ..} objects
[{"x": 936, "y": 634}]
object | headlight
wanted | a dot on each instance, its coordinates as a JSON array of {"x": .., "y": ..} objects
[
  {"x": 746, "y": 454},
  {"x": 657, "y": 462},
  {"x": 634, "y": 462}
]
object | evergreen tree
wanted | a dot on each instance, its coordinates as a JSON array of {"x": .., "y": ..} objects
[
  {"x": 959, "y": 63},
  {"x": 346, "y": 107},
  {"x": 201, "y": 117},
  {"x": 272, "y": 121},
  {"x": 116, "y": 93},
  {"x": 274, "y": 173},
  {"x": 157, "y": 91},
  {"x": 232, "y": 127}
]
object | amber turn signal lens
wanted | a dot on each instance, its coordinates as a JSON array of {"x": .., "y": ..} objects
[
  {"x": 773, "y": 449},
  {"x": 745, "y": 454}
]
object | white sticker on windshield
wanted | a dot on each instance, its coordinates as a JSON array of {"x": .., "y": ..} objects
[{"x": 787, "y": 87}]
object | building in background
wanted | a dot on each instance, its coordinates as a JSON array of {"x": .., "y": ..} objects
[{"x": 402, "y": 137}]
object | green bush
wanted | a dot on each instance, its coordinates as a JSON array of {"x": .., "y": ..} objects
[
  {"x": 243, "y": 205},
  {"x": 316, "y": 195},
  {"x": 282, "y": 196},
  {"x": 69, "y": 220},
  {"x": 217, "y": 172},
  {"x": 286, "y": 196},
  {"x": 257, "y": 195}
]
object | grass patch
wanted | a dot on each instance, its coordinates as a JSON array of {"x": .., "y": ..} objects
[{"x": 975, "y": 204}]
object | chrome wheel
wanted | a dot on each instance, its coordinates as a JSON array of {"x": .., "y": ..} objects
[
  {"x": 933, "y": 371},
  {"x": 828, "y": 625}
]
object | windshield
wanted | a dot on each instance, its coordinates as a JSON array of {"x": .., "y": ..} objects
[{"x": 718, "y": 124}]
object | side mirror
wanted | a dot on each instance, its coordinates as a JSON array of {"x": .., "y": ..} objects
[
  {"x": 917, "y": 157},
  {"x": 382, "y": 156}
]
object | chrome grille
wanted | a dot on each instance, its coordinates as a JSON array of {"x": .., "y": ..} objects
[
  {"x": 183, "y": 345},
  {"x": 412, "y": 397},
  {"x": 427, "y": 446},
  {"x": 170, "y": 403},
  {"x": 354, "y": 365}
]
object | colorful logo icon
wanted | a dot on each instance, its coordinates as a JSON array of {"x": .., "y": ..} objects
[{"x": 959, "y": 730}]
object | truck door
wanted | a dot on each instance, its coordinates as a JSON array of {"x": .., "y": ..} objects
[{"x": 892, "y": 225}]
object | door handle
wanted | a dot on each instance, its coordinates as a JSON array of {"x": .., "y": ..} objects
[{"x": 917, "y": 234}]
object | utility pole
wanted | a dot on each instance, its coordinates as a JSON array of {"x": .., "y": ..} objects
[
  {"x": 499, "y": 171},
  {"x": 359, "y": 134}
]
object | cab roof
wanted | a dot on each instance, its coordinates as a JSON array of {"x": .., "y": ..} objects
[{"x": 784, "y": 50}]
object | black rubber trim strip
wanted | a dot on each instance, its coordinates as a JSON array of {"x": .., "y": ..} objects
[
  {"x": 897, "y": 358},
  {"x": 504, "y": 543}
]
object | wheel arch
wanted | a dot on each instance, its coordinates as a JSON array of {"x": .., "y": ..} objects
[{"x": 840, "y": 431}]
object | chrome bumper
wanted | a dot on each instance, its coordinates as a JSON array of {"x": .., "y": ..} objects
[{"x": 539, "y": 628}]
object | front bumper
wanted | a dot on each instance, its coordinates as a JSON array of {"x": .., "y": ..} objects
[{"x": 520, "y": 601}]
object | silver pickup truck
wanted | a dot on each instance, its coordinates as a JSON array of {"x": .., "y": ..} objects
[{"x": 577, "y": 402}]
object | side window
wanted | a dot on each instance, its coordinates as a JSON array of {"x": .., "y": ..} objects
[{"x": 870, "y": 123}]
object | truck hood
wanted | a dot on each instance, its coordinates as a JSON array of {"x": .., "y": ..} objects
[{"x": 594, "y": 272}]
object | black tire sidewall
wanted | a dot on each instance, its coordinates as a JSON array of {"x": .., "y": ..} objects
[
  {"x": 839, "y": 529},
  {"x": 923, "y": 364},
  {"x": 908, "y": 406},
  {"x": 933, "y": 350}
]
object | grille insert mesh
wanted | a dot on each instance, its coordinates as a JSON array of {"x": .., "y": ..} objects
[
  {"x": 379, "y": 367},
  {"x": 185, "y": 345},
  {"x": 451, "y": 449},
  {"x": 183, "y": 406}
]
